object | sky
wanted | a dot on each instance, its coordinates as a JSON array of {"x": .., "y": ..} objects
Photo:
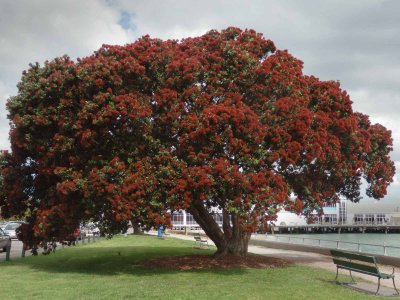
[{"x": 355, "y": 42}]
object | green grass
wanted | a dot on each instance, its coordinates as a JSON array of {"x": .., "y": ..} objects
[{"x": 108, "y": 269}]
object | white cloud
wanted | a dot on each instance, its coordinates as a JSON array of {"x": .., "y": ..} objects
[
  {"x": 383, "y": 107},
  {"x": 396, "y": 179},
  {"x": 4, "y": 127},
  {"x": 33, "y": 31}
]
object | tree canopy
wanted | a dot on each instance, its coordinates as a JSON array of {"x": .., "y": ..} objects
[{"x": 223, "y": 120}]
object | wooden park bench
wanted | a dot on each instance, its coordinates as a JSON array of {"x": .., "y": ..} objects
[
  {"x": 200, "y": 242},
  {"x": 361, "y": 263}
]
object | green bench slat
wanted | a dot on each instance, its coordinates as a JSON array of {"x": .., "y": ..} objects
[
  {"x": 373, "y": 270},
  {"x": 198, "y": 238},
  {"x": 354, "y": 256},
  {"x": 201, "y": 241}
]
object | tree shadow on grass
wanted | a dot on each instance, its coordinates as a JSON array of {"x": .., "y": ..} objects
[{"x": 115, "y": 260}]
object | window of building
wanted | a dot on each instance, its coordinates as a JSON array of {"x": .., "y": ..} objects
[
  {"x": 190, "y": 220},
  {"x": 330, "y": 219},
  {"x": 358, "y": 218},
  {"x": 369, "y": 219},
  {"x": 380, "y": 218},
  {"x": 319, "y": 219},
  {"x": 177, "y": 218}
]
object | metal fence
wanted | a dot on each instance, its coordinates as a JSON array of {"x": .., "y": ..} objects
[
  {"x": 381, "y": 249},
  {"x": 51, "y": 248}
]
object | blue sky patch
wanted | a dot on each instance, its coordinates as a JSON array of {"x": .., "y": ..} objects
[{"x": 126, "y": 21}]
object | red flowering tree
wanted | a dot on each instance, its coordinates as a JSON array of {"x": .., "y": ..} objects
[{"x": 223, "y": 120}]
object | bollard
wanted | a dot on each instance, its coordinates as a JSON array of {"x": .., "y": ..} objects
[
  {"x": 8, "y": 250},
  {"x": 23, "y": 250},
  {"x": 160, "y": 231}
]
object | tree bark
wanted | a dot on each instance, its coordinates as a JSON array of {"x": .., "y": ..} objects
[
  {"x": 136, "y": 228},
  {"x": 236, "y": 245},
  {"x": 230, "y": 239}
]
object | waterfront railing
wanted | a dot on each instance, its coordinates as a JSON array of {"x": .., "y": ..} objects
[{"x": 381, "y": 249}]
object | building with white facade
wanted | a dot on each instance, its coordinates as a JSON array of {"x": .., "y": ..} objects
[
  {"x": 348, "y": 213},
  {"x": 182, "y": 219}
]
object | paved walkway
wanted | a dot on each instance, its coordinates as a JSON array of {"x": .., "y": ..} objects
[{"x": 322, "y": 261}]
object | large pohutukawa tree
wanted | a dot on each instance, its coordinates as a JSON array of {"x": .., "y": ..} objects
[{"x": 222, "y": 120}]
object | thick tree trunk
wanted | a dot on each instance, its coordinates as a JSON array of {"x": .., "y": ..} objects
[
  {"x": 230, "y": 239},
  {"x": 237, "y": 245},
  {"x": 136, "y": 228}
]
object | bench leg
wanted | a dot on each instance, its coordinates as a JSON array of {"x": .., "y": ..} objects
[
  {"x": 379, "y": 285},
  {"x": 394, "y": 285},
  {"x": 352, "y": 277},
  {"x": 337, "y": 274}
]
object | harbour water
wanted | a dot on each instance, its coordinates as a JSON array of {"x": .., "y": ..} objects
[{"x": 374, "y": 243}]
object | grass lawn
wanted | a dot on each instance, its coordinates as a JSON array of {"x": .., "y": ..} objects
[{"x": 108, "y": 269}]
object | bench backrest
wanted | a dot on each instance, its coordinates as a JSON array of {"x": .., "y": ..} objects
[
  {"x": 354, "y": 256},
  {"x": 355, "y": 261}
]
